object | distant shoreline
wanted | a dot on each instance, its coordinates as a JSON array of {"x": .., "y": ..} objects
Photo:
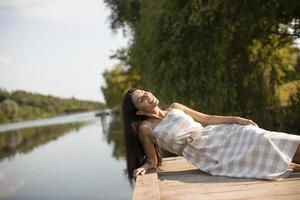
[
  {"x": 21, "y": 105},
  {"x": 61, "y": 119}
]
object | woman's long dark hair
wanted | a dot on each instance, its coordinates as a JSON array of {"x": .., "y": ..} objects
[{"x": 135, "y": 155}]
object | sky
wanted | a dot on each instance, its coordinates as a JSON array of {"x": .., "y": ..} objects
[{"x": 57, "y": 47}]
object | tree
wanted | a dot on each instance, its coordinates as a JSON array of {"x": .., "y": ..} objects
[
  {"x": 224, "y": 57},
  {"x": 118, "y": 80},
  {"x": 10, "y": 109}
]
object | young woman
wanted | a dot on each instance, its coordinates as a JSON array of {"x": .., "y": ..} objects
[{"x": 226, "y": 145}]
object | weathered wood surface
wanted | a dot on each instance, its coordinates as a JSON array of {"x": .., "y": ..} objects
[
  {"x": 147, "y": 187},
  {"x": 178, "y": 179}
]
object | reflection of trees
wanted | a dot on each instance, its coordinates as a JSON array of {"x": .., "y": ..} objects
[
  {"x": 25, "y": 140},
  {"x": 114, "y": 135}
]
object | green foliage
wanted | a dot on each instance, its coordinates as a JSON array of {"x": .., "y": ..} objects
[
  {"x": 274, "y": 61},
  {"x": 20, "y": 105},
  {"x": 114, "y": 135},
  {"x": 286, "y": 90},
  {"x": 291, "y": 114},
  {"x": 10, "y": 109},
  {"x": 123, "y": 12},
  {"x": 118, "y": 80},
  {"x": 219, "y": 57},
  {"x": 3, "y": 117}
]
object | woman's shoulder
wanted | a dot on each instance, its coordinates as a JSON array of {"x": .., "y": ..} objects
[
  {"x": 144, "y": 128},
  {"x": 176, "y": 105},
  {"x": 144, "y": 131},
  {"x": 143, "y": 124}
]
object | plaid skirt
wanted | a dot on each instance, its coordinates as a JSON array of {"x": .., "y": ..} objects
[{"x": 243, "y": 151}]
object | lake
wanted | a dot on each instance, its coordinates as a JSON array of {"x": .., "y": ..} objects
[{"x": 77, "y": 156}]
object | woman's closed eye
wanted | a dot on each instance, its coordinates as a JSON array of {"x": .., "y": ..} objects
[{"x": 141, "y": 99}]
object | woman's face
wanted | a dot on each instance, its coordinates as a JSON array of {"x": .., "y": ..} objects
[{"x": 144, "y": 101}]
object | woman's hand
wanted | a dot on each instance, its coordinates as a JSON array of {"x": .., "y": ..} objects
[
  {"x": 243, "y": 121},
  {"x": 140, "y": 171}
]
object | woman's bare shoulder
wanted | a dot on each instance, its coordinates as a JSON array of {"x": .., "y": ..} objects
[
  {"x": 176, "y": 105},
  {"x": 144, "y": 130}
]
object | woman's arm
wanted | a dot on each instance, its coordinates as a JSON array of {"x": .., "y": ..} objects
[
  {"x": 211, "y": 119},
  {"x": 145, "y": 135}
]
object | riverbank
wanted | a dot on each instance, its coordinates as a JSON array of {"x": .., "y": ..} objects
[{"x": 21, "y": 105}]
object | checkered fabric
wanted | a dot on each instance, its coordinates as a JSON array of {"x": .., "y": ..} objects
[{"x": 228, "y": 149}]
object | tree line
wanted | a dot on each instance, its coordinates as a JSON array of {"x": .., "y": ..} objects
[
  {"x": 21, "y": 105},
  {"x": 216, "y": 56}
]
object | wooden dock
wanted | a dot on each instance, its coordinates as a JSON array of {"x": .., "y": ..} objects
[{"x": 178, "y": 179}]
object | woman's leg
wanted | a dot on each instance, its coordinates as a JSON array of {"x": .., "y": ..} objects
[{"x": 296, "y": 158}]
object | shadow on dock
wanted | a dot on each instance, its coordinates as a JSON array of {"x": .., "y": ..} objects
[{"x": 178, "y": 179}]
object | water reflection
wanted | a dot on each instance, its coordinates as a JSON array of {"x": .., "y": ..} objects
[
  {"x": 82, "y": 160},
  {"x": 115, "y": 136},
  {"x": 25, "y": 140}
]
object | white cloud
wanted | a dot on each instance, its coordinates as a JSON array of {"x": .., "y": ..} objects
[{"x": 5, "y": 60}]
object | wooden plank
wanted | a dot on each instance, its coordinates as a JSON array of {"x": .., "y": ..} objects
[
  {"x": 191, "y": 183},
  {"x": 179, "y": 180},
  {"x": 147, "y": 187},
  {"x": 177, "y": 163},
  {"x": 176, "y": 190}
]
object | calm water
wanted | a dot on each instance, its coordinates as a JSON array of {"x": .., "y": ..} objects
[{"x": 73, "y": 157}]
